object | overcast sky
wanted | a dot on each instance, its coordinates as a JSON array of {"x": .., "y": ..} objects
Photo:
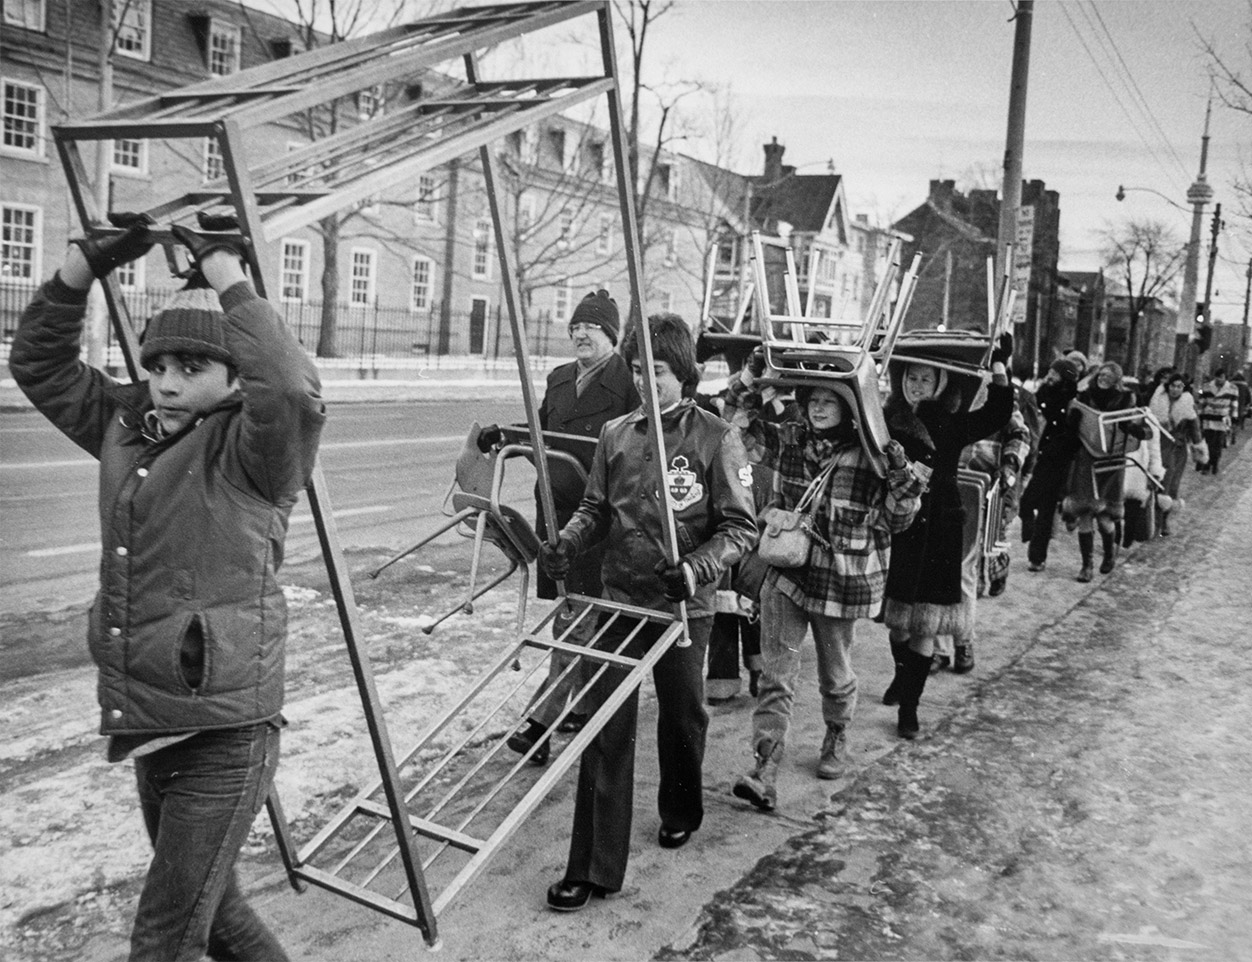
[{"x": 898, "y": 93}]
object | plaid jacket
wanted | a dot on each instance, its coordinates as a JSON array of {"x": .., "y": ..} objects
[{"x": 857, "y": 513}]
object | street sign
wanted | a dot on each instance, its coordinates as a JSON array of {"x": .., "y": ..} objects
[{"x": 1022, "y": 250}]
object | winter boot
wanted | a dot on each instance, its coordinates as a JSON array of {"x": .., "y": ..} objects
[
  {"x": 1108, "y": 540},
  {"x": 963, "y": 661},
  {"x": 834, "y": 759},
  {"x": 533, "y": 734},
  {"x": 913, "y": 674},
  {"x": 760, "y": 787},
  {"x": 1086, "y": 546},
  {"x": 892, "y": 695}
]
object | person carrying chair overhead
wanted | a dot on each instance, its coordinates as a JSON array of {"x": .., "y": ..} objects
[{"x": 581, "y": 397}]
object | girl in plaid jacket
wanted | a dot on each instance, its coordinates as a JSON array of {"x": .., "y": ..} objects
[{"x": 843, "y": 580}]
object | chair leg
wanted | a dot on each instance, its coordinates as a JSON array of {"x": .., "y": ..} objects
[
  {"x": 451, "y": 523},
  {"x": 468, "y": 605}
]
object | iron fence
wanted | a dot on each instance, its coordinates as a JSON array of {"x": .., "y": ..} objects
[{"x": 393, "y": 334}]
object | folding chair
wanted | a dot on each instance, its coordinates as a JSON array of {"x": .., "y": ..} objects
[
  {"x": 843, "y": 356},
  {"x": 474, "y": 498}
]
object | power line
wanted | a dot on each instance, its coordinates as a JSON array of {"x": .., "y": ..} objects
[
  {"x": 1129, "y": 79},
  {"x": 1113, "y": 90}
]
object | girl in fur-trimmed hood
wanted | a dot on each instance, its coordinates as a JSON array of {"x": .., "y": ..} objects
[{"x": 928, "y": 413}]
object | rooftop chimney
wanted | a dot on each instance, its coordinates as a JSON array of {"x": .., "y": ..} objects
[{"x": 773, "y": 161}]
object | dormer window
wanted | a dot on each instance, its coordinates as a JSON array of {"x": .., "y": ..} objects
[{"x": 223, "y": 48}]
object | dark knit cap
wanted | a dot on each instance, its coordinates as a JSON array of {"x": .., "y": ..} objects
[
  {"x": 190, "y": 322},
  {"x": 1066, "y": 368},
  {"x": 600, "y": 309}
]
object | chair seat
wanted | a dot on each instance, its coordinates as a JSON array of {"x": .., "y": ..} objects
[{"x": 509, "y": 530}]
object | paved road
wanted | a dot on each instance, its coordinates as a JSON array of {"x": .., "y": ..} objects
[{"x": 387, "y": 468}]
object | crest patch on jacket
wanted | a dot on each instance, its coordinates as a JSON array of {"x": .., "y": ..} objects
[{"x": 682, "y": 485}]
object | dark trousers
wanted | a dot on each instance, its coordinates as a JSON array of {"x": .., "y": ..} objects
[
  {"x": 600, "y": 844},
  {"x": 724, "y": 640},
  {"x": 199, "y": 798},
  {"x": 1038, "y": 507},
  {"x": 1216, "y": 441}
]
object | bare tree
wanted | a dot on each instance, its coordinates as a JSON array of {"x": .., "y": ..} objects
[{"x": 1146, "y": 256}]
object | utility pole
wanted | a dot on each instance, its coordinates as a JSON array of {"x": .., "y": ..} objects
[
  {"x": 1201, "y": 357},
  {"x": 1011, "y": 191},
  {"x": 1198, "y": 195},
  {"x": 97, "y": 321},
  {"x": 1247, "y": 301}
]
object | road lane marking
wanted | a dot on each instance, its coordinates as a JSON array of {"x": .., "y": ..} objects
[
  {"x": 94, "y": 546},
  {"x": 334, "y": 446}
]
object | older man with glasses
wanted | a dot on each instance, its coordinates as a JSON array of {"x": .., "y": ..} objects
[{"x": 581, "y": 397}]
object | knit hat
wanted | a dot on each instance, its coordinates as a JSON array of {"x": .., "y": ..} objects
[
  {"x": 190, "y": 322},
  {"x": 600, "y": 309},
  {"x": 1066, "y": 368},
  {"x": 1079, "y": 359},
  {"x": 672, "y": 343}
]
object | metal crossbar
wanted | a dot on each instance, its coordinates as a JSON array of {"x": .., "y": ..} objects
[{"x": 380, "y": 848}]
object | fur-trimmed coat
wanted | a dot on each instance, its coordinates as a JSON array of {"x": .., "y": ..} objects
[
  {"x": 924, "y": 581},
  {"x": 1091, "y": 493}
]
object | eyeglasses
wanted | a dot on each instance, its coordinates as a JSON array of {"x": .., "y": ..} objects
[{"x": 583, "y": 327}]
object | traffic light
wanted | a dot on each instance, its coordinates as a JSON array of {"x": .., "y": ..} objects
[{"x": 1203, "y": 337}]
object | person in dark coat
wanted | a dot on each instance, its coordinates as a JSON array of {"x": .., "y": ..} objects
[
  {"x": 581, "y": 397},
  {"x": 1095, "y": 499},
  {"x": 926, "y": 414},
  {"x": 1057, "y": 447}
]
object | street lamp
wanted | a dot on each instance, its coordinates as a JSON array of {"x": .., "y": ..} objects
[{"x": 1121, "y": 195}]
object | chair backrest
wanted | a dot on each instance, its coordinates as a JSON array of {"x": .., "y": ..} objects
[{"x": 475, "y": 471}]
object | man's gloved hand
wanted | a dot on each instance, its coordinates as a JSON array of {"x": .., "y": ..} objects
[
  {"x": 201, "y": 246},
  {"x": 678, "y": 581},
  {"x": 555, "y": 562},
  {"x": 489, "y": 437},
  {"x": 106, "y": 253},
  {"x": 1008, "y": 477},
  {"x": 756, "y": 362},
  {"x": 896, "y": 458},
  {"x": 1003, "y": 351}
]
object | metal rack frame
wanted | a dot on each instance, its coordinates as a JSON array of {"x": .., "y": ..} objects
[{"x": 270, "y": 196}]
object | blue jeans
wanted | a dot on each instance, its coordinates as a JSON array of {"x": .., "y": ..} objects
[
  {"x": 199, "y": 798},
  {"x": 783, "y": 627}
]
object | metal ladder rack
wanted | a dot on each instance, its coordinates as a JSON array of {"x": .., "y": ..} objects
[{"x": 270, "y": 197}]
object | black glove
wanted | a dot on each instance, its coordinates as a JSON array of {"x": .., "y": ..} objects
[
  {"x": 489, "y": 437},
  {"x": 1003, "y": 351},
  {"x": 106, "y": 253},
  {"x": 555, "y": 562},
  {"x": 896, "y": 458},
  {"x": 201, "y": 246},
  {"x": 756, "y": 362},
  {"x": 677, "y": 581}
]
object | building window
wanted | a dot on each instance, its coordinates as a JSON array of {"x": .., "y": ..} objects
[
  {"x": 23, "y": 119},
  {"x": 727, "y": 254},
  {"x": 28, "y": 14},
  {"x": 566, "y": 224},
  {"x": 130, "y": 276},
  {"x": 560, "y": 147},
  {"x": 369, "y": 103},
  {"x": 525, "y": 212},
  {"x": 604, "y": 240},
  {"x": 482, "y": 249},
  {"x": 667, "y": 180},
  {"x": 20, "y": 228},
  {"x": 562, "y": 299},
  {"x": 423, "y": 271},
  {"x": 671, "y": 247},
  {"x": 223, "y": 49},
  {"x": 666, "y": 300},
  {"x": 132, "y": 28},
  {"x": 361, "y": 290},
  {"x": 214, "y": 168},
  {"x": 424, "y": 207},
  {"x": 130, "y": 156},
  {"x": 294, "y": 282}
]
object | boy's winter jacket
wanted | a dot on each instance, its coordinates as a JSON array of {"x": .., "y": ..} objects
[
  {"x": 709, "y": 484},
  {"x": 189, "y": 626}
]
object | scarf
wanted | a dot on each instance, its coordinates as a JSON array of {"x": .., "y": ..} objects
[
  {"x": 1169, "y": 412},
  {"x": 584, "y": 376}
]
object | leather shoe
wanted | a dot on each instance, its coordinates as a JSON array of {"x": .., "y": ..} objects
[
  {"x": 567, "y": 896},
  {"x": 522, "y": 742},
  {"x": 672, "y": 837}
]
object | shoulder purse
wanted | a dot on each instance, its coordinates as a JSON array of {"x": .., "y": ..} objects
[{"x": 788, "y": 535}]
